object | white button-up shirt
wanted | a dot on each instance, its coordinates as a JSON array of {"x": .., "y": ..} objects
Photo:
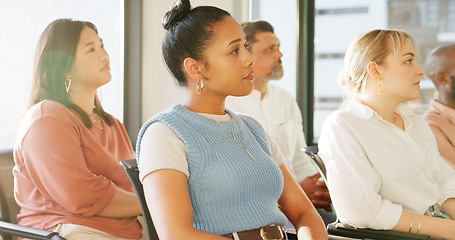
[
  {"x": 375, "y": 169},
  {"x": 280, "y": 116}
]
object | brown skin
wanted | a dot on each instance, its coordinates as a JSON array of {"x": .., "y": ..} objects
[
  {"x": 440, "y": 67},
  {"x": 317, "y": 191}
]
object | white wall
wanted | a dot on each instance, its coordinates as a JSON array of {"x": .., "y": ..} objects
[{"x": 159, "y": 88}]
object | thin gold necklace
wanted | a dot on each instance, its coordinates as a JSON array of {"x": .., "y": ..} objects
[
  {"x": 395, "y": 117},
  {"x": 231, "y": 134},
  {"x": 98, "y": 123}
]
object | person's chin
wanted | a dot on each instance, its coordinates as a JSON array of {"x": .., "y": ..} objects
[
  {"x": 106, "y": 80},
  {"x": 413, "y": 96},
  {"x": 245, "y": 91},
  {"x": 276, "y": 77}
]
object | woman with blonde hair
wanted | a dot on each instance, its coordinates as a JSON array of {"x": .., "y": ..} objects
[{"x": 383, "y": 166}]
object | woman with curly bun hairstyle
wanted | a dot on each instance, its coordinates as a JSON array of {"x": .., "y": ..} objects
[
  {"x": 207, "y": 172},
  {"x": 384, "y": 170}
]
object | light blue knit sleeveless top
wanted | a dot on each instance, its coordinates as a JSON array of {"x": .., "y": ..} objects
[{"x": 229, "y": 191}]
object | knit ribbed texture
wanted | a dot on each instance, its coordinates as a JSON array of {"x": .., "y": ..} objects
[{"x": 229, "y": 191}]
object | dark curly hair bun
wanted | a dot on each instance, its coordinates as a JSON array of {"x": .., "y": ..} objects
[
  {"x": 182, "y": 24},
  {"x": 180, "y": 9}
]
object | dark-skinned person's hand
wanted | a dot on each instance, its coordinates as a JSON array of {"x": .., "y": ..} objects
[{"x": 317, "y": 191}]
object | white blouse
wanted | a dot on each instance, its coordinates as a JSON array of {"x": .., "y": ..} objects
[
  {"x": 280, "y": 116},
  {"x": 374, "y": 169}
]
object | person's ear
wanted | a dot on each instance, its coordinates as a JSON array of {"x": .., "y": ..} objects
[
  {"x": 374, "y": 70},
  {"x": 193, "y": 68},
  {"x": 443, "y": 78}
]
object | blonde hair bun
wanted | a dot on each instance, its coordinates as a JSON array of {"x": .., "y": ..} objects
[{"x": 346, "y": 81}]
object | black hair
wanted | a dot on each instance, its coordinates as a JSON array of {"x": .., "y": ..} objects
[
  {"x": 189, "y": 31},
  {"x": 251, "y": 28}
]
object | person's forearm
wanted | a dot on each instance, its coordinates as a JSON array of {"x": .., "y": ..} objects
[
  {"x": 190, "y": 234},
  {"x": 310, "y": 226},
  {"x": 435, "y": 227},
  {"x": 449, "y": 207},
  {"x": 123, "y": 204},
  {"x": 299, "y": 210}
]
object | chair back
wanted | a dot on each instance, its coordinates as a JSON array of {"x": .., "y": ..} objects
[
  {"x": 8, "y": 206},
  {"x": 9, "y": 229},
  {"x": 130, "y": 167},
  {"x": 312, "y": 152}
]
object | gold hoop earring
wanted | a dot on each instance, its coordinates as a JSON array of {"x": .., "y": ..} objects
[
  {"x": 67, "y": 84},
  {"x": 379, "y": 87},
  {"x": 200, "y": 86}
]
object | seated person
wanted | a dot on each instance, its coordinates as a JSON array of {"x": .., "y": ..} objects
[
  {"x": 278, "y": 113},
  {"x": 67, "y": 173},
  {"x": 383, "y": 167},
  {"x": 440, "y": 68},
  {"x": 207, "y": 172}
]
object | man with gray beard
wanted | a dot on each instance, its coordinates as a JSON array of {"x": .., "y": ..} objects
[
  {"x": 279, "y": 114},
  {"x": 440, "y": 68}
]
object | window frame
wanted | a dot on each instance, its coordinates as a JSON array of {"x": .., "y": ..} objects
[
  {"x": 132, "y": 110},
  {"x": 305, "y": 66}
]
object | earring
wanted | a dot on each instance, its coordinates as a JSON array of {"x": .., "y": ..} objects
[
  {"x": 200, "y": 86},
  {"x": 67, "y": 84},
  {"x": 379, "y": 87}
]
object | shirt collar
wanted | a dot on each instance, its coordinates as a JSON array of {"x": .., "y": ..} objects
[
  {"x": 255, "y": 93},
  {"x": 359, "y": 110},
  {"x": 364, "y": 112}
]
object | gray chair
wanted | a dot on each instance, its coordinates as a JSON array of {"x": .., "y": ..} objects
[
  {"x": 9, "y": 208},
  {"x": 342, "y": 229},
  {"x": 312, "y": 152},
  {"x": 130, "y": 167}
]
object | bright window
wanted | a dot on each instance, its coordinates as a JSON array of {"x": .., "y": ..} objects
[
  {"x": 21, "y": 24},
  {"x": 286, "y": 30},
  {"x": 337, "y": 23}
]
